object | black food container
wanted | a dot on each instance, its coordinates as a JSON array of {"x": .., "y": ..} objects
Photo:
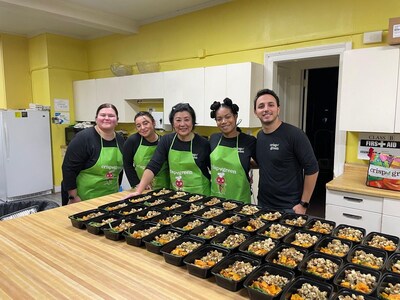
[
  {"x": 110, "y": 231},
  {"x": 248, "y": 209},
  {"x": 273, "y": 256},
  {"x": 294, "y": 220},
  {"x": 338, "y": 245},
  {"x": 131, "y": 209},
  {"x": 191, "y": 208},
  {"x": 170, "y": 205},
  {"x": 209, "y": 212},
  {"x": 378, "y": 253},
  {"x": 269, "y": 231},
  {"x": 153, "y": 246},
  {"x": 230, "y": 284},
  {"x": 257, "y": 294},
  {"x": 327, "y": 259},
  {"x": 231, "y": 205},
  {"x": 393, "y": 263},
  {"x": 115, "y": 206},
  {"x": 226, "y": 218},
  {"x": 79, "y": 220},
  {"x": 176, "y": 259},
  {"x": 250, "y": 225},
  {"x": 148, "y": 214},
  {"x": 140, "y": 198},
  {"x": 96, "y": 225},
  {"x": 189, "y": 223},
  {"x": 213, "y": 228},
  {"x": 270, "y": 215},
  {"x": 212, "y": 200},
  {"x": 202, "y": 272},
  {"x": 168, "y": 218},
  {"x": 355, "y": 239},
  {"x": 190, "y": 198},
  {"x": 383, "y": 289},
  {"x": 296, "y": 284},
  {"x": 177, "y": 195},
  {"x": 350, "y": 293},
  {"x": 394, "y": 241},
  {"x": 161, "y": 193},
  {"x": 260, "y": 254},
  {"x": 138, "y": 240},
  {"x": 320, "y": 225},
  {"x": 239, "y": 236},
  {"x": 291, "y": 238},
  {"x": 154, "y": 202}
]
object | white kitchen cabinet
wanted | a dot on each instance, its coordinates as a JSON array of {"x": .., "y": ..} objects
[
  {"x": 184, "y": 86},
  {"x": 214, "y": 90},
  {"x": 108, "y": 91},
  {"x": 391, "y": 216},
  {"x": 369, "y": 90},
  {"x": 85, "y": 100},
  {"x": 142, "y": 86}
]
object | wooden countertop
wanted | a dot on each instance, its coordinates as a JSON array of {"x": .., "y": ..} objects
[
  {"x": 353, "y": 180},
  {"x": 43, "y": 257}
]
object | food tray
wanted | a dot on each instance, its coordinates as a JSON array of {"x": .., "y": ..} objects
[
  {"x": 339, "y": 227},
  {"x": 229, "y": 284},
  {"x": 291, "y": 237},
  {"x": 299, "y": 281},
  {"x": 140, "y": 198},
  {"x": 244, "y": 247},
  {"x": 161, "y": 193},
  {"x": 369, "y": 250},
  {"x": 229, "y": 204},
  {"x": 201, "y": 213},
  {"x": 347, "y": 292},
  {"x": 225, "y": 215},
  {"x": 248, "y": 209},
  {"x": 287, "y": 217},
  {"x": 130, "y": 240},
  {"x": 262, "y": 215},
  {"x": 187, "y": 208},
  {"x": 273, "y": 254},
  {"x": 244, "y": 223},
  {"x": 341, "y": 275},
  {"x": 126, "y": 212},
  {"x": 184, "y": 221},
  {"x": 325, "y": 240},
  {"x": 93, "y": 229},
  {"x": 198, "y": 230},
  {"x": 310, "y": 223},
  {"x": 115, "y": 206},
  {"x": 151, "y": 247},
  {"x": 177, "y": 195},
  {"x": 393, "y": 238},
  {"x": 221, "y": 237},
  {"x": 199, "y": 253},
  {"x": 170, "y": 205},
  {"x": 113, "y": 235},
  {"x": 386, "y": 279},
  {"x": 256, "y": 294},
  {"x": 392, "y": 260},
  {"x": 175, "y": 259},
  {"x": 208, "y": 201},
  {"x": 303, "y": 265},
  {"x": 192, "y": 198},
  {"x": 76, "y": 219},
  {"x": 262, "y": 231},
  {"x": 141, "y": 215},
  {"x": 162, "y": 218}
]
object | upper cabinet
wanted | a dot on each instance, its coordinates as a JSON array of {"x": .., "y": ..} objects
[
  {"x": 143, "y": 86},
  {"x": 85, "y": 100},
  {"x": 370, "y": 90}
]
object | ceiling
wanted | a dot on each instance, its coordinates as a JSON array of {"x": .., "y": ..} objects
[{"x": 88, "y": 19}]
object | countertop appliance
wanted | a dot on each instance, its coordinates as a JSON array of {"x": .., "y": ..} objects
[{"x": 25, "y": 154}]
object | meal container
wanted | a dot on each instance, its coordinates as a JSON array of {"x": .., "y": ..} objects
[
  {"x": 242, "y": 225},
  {"x": 291, "y": 237},
  {"x": 325, "y": 240},
  {"x": 225, "y": 215},
  {"x": 186, "y": 208},
  {"x": 393, "y": 238},
  {"x": 312, "y": 255},
  {"x": 126, "y": 212},
  {"x": 141, "y": 215},
  {"x": 77, "y": 222},
  {"x": 229, "y": 284},
  {"x": 161, "y": 218},
  {"x": 156, "y": 248},
  {"x": 310, "y": 223},
  {"x": 296, "y": 284},
  {"x": 200, "y": 213},
  {"x": 273, "y": 254},
  {"x": 384, "y": 282},
  {"x": 199, "y": 253},
  {"x": 261, "y": 214},
  {"x": 391, "y": 261},
  {"x": 154, "y": 202},
  {"x": 369, "y": 250},
  {"x": 208, "y": 201},
  {"x": 113, "y": 235},
  {"x": 244, "y": 246},
  {"x": 184, "y": 221},
  {"x": 91, "y": 228},
  {"x": 167, "y": 206},
  {"x": 130, "y": 240},
  {"x": 341, "y": 275},
  {"x": 198, "y": 230},
  {"x": 190, "y": 198},
  {"x": 115, "y": 206},
  {"x": 228, "y": 204},
  {"x": 176, "y": 195},
  {"x": 347, "y": 292},
  {"x": 341, "y": 226},
  {"x": 217, "y": 241},
  {"x": 255, "y": 294},
  {"x": 292, "y": 216},
  {"x": 175, "y": 259},
  {"x": 248, "y": 209},
  {"x": 262, "y": 230},
  {"x": 140, "y": 198},
  {"x": 161, "y": 192}
]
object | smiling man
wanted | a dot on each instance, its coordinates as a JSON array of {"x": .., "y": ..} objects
[{"x": 288, "y": 167}]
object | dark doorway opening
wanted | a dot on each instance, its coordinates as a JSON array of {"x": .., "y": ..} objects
[{"x": 320, "y": 107}]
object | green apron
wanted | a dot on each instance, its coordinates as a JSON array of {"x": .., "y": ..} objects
[
  {"x": 184, "y": 174},
  {"x": 102, "y": 178},
  {"x": 142, "y": 157},
  {"x": 228, "y": 179}
]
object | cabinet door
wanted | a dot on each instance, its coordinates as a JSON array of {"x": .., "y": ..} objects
[
  {"x": 185, "y": 86},
  {"x": 85, "y": 100},
  {"x": 142, "y": 86},
  {"x": 214, "y": 90},
  {"x": 390, "y": 225},
  {"x": 369, "y": 89},
  {"x": 356, "y": 201},
  {"x": 108, "y": 91}
]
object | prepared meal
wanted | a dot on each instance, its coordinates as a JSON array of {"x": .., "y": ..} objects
[
  {"x": 228, "y": 205},
  {"x": 212, "y": 212},
  {"x": 335, "y": 247},
  {"x": 299, "y": 221},
  {"x": 355, "y": 280},
  {"x": 103, "y": 222},
  {"x": 381, "y": 242},
  {"x": 249, "y": 210},
  {"x": 165, "y": 238},
  {"x": 170, "y": 219},
  {"x": 321, "y": 227},
  {"x": 261, "y": 247},
  {"x": 308, "y": 291},
  {"x": 231, "y": 220},
  {"x": 117, "y": 206},
  {"x": 209, "y": 260},
  {"x": 322, "y": 267},
  {"x": 155, "y": 202},
  {"x": 90, "y": 216},
  {"x": 211, "y": 231},
  {"x": 185, "y": 248},
  {"x": 396, "y": 266},
  {"x": 131, "y": 211},
  {"x": 150, "y": 214},
  {"x": 351, "y": 297},
  {"x": 237, "y": 271},
  {"x": 212, "y": 201},
  {"x": 195, "y": 198},
  {"x": 233, "y": 240},
  {"x": 304, "y": 239},
  {"x": 193, "y": 208},
  {"x": 253, "y": 225},
  {"x": 289, "y": 257},
  {"x": 178, "y": 194},
  {"x": 124, "y": 225},
  {"x": 277, "y": 231},
  {"x": 192, "y": 224},
  {"x": 161, "y": 192},
  {"x": 391, "y": 292},
  {"x": 172, "y": 206},
  {"x": 270, "y": 284},
  {"x": 138, "y": 234},
  {"x": 270, "y": 216},
  {"x": 140, "y": 199},
  {"x": 360, "y": 257},
  {"x": 350, "y": 233}
]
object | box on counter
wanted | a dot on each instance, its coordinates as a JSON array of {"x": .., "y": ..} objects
[{"x": 394, "y": 31}]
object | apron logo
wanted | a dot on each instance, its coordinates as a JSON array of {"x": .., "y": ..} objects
[
  {"x": 221, "y": 181},
  {"x": 109, "y": 177},
  {"x": 179, "y": 182},
  {"x": 273, "y": 146}
]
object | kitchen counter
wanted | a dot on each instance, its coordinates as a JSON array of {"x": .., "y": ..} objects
[
  {"x": 43, "y": 256},
  {"x": 353, "y": 180}
]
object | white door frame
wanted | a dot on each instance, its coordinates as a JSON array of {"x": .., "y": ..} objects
[{"x": 270, "y": 81}]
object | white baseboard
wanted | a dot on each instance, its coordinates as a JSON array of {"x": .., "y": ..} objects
[{"x": 57, "y": 189}]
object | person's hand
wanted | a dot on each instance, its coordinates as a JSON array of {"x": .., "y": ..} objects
[
  {"x": 75, "y": 200},
  {"x": 299, "y": 209}
]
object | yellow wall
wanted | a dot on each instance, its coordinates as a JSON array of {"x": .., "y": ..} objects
[{"x": 3, "y": 102}]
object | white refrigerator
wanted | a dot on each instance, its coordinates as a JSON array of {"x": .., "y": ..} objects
[{"x": 25, "y": 154}]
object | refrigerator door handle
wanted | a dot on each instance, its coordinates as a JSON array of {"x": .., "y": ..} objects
[{"x": 6, "y": 141}]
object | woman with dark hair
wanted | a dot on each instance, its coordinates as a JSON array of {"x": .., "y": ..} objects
[
  {"x": 139, "y": 149},
  {"x": 93, "y": 162},
  {"x": 231, "y": 153},
  {"x": 187, "y": 153}
]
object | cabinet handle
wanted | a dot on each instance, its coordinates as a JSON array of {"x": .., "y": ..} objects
[
  {"x": 352, "y": 216},
  {"x": 353, "y": 199}
]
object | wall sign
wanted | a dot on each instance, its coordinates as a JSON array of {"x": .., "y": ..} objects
[{"x": 380, "y": 142}]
